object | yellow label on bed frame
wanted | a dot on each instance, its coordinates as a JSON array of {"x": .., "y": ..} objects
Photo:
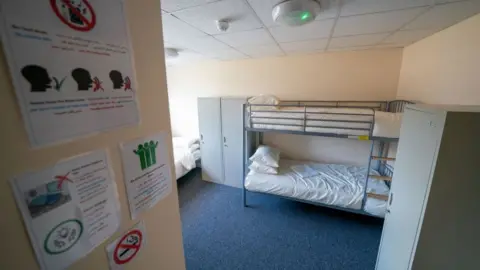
[{"x": 363, "y": 138}]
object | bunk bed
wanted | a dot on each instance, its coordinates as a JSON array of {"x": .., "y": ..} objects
[{"x": 358, "y": 189}]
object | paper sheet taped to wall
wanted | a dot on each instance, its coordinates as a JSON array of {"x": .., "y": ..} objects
[
  {"x": 69, "y": 208},
  {"x": 147, "y": 172},
  {"x": 71, "y": 65}
]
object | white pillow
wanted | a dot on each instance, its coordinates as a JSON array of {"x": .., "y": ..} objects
[
  {"x": 266, "y": 155},
  {"x": 260, "y": 168},
  {"x": 387, "y": 124},
  {"x": 264, "y": 99},
  {"x": 194, "y": 147}
]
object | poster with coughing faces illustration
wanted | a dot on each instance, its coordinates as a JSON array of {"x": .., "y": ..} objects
[{"x": 71, "y": 66}]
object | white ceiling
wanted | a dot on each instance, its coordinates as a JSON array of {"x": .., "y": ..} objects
[{"x": 189, "y": 26}]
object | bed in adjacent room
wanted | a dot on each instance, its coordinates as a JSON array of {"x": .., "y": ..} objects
[{"x": 186, "y": 153}]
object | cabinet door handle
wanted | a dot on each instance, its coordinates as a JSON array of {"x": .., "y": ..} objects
[
  {"x": 391, "y": 199},
  {"x": 224, "y": 139}
]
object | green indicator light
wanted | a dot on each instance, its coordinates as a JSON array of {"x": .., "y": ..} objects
[{"x": 305, "y": 16}]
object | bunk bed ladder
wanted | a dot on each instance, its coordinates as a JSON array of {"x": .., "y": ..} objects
[
  {"x": 365, "y": 191},
  {"x": 245, "y": 133},
  {"x": 304, "y": 118}
]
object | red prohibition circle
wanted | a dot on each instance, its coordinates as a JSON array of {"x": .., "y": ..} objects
[
  {"x": 89, "y": 25},
  {"x": 121, "y": 245}
]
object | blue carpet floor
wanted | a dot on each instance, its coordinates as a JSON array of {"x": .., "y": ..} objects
[{"x": 272, "y": 233}]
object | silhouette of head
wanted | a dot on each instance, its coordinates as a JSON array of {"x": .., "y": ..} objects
[
  {"x": 38, "y": 78},
  {"x": 83, "y": 79},
  {"x": 116, "y": 78}
]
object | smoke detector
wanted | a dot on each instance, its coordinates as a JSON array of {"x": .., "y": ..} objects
[
  {"x": 222, "y": 25},
  {"x": 295, "y": 12},
  {"x": 171, "y": 53}
]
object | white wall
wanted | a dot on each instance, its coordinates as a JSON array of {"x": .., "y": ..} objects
[
  {"x": 444, "y": 68},
  {"x": 360, "y": 75}
]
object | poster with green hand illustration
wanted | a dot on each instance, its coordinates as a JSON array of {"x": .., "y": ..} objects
[{"x": 146, "y": 171}]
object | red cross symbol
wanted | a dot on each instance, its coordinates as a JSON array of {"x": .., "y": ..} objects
[
  {"x": 61, "y": 179},
  {"x": 128, "y": 84},
  {"x": 97, "y": 85}
]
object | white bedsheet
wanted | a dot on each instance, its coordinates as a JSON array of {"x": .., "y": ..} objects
[
  {"x": 184, "y": 159},
  {"x": 335, "y": 184}
]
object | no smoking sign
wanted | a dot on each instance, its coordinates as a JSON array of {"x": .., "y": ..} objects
[
  {"x": 126, "y": 248},
  {"x": 76, "y": 14}
]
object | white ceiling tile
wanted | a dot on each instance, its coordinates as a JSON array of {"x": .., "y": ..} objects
[
  {"x": 305, "y": 46},
  {"x": 408, "y": 36},
  {"x": 247, "y": 38},
  {"x": 261, "y": 51},
  {"x": 356, "y": 7},
  {"x": 353, "y": 41},
  {"x": 388, "y": 46},
  {"x": 174, "y": 29},
  {"x": 263, "y": 8},
  {"x": 173, "y": 5},
  {"x": 446, "y": 1},
  {"x": 202, "y": 45},
  {"x": 375, "y": 23},
  {"x": 445, "y": 15},
  {"x": 313, "y": 30},
  {"x": 203, "y": 17},
  {"x": 354, "y": 48},
  {"x": 329, "y": 9},
  {"x": 228, "y": 54},
  {"x": 185, "y": 57},
  {"x": 295, "y": 53}
]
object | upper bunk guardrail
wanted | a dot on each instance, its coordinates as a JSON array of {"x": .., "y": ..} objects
[{"x": 343, "y": 119}]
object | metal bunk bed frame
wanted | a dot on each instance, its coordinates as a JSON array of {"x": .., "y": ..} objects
[{"x": 382, "y": 159}]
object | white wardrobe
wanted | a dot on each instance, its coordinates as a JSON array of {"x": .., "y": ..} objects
[
  {"x": 221, "y": 136},
  {"x": 433, "y": 217}
]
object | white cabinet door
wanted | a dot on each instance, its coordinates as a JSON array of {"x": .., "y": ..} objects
[
  {"x": 232, "y": 131},
  {"x": 419, "y": 139},
  {"x": 210, "y": 125}
]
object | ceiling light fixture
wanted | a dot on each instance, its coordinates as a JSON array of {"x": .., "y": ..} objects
[
  {"x": 295, "y": 12},
  {"x": 171, "y": 53}
]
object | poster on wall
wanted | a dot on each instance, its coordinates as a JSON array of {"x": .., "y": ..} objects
[
  {"x": 146, "y": 172},
  {"x": 127, "y": 247},
  {"x": 69, "y": 208},
  {"x": 71, "y": 65}
]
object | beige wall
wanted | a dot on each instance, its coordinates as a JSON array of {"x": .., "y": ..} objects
[
  {"x": 164, "y": 249},
  {"x": 444, "y": 68},
  {"x": 360, "y": 75}
]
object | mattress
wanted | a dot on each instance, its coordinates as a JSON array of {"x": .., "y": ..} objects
[
  {"x": 335, "y": 184},
  {"x": 339, "y": 121}
]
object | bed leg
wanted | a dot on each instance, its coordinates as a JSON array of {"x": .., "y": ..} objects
[{"x": 244, "y": 197}]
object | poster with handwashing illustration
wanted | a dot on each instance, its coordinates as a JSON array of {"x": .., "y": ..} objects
[
  {"x": 71, "y": 66},
  {"x": 147, "y": 174},
  {"x": 68, "y": 208}
]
